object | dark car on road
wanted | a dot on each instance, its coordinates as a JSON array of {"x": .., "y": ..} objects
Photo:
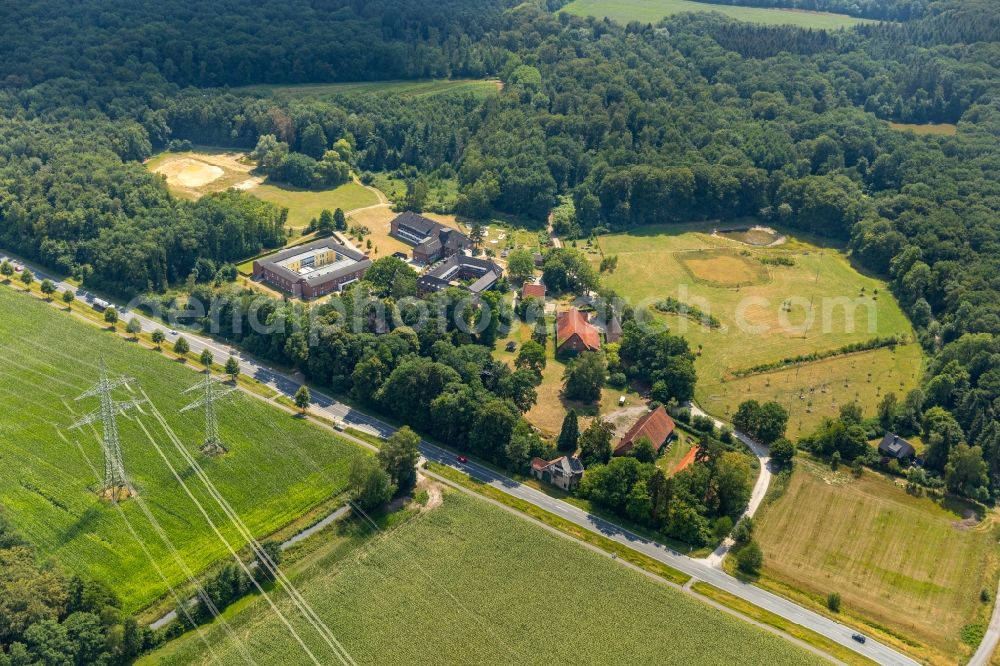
[{"x": 859, "y": 638}]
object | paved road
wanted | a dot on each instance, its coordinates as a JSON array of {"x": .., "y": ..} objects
[
  {"x": 759, "y": 488},
  {"x": 990, "y": 640},
  {"x": 700, "y": 569}
]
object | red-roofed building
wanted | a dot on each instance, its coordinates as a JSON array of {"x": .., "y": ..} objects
[
  {"x": 657, "y": 426},
  {"x": 530, "y": 290},
  {"x": 574, "y": 334}
]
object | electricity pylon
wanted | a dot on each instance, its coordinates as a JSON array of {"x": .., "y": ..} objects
[
  {"x": 211, "y": 393},
  {"x": 116, "y": 482}
]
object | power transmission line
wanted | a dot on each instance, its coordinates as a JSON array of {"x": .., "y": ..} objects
[
  {"x": 211, "y": 393},
  {"x": 116, "y": 483}
]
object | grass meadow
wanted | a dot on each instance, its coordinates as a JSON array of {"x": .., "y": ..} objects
[
  {"x": 279, "y": 467},
  {"x": 304, "y": 205},
  {"x": 942, "y": 129},
  {"x": 548, "y": 413},
  {"x": 419, "y": 88},
  {"x": 897, "y": 561},
  {"x": 469, "y": 583},
  {"x": 764, "y": 311},
  {"x": 652, "y": 11}
]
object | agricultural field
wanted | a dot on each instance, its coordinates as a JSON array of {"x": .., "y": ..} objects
[
  {"x": 470, "y": 583},
  {"x": 897, "y": 561},
  {"x": 421, "y": 88},
  {"x": 279, "y": 467},
  {"x": 652, "y": 11},
  {"x": 766, "y": 313},
  {"x": 942, "y": 129},
  {"x": 192, "y": 175}
]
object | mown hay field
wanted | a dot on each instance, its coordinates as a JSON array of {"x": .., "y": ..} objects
[
  {"x": 469, "y": 583},
  {"x": 278, "y": 469},
  {"x": 767, "y": 312},
  {"x": 902, "y": 562},
  {"x": 652, "y": 11}
]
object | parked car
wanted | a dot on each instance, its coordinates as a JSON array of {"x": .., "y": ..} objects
[{"x": 859, "y": 638}]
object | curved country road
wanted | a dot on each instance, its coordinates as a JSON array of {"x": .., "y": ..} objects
[{"x": 703, "y": 570}]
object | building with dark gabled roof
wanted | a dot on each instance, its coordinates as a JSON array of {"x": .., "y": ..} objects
[
  {"x": 894, "y": 446},
  {"x": 565, "y": 472},
  {"x": 656, "y": 425},
  {"x": 431, "y": 241},
  {"x": 456, "y": 270},
  {"x": 314, "y": 269},
  {"x": 574, "y": 334},
  {"x": 613, "y": 331}
]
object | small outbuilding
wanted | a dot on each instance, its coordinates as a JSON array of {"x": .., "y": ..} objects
[{"x": 532, "y": 290}]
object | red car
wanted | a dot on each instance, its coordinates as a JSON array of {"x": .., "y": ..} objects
[{"x": 463, "y": 459}]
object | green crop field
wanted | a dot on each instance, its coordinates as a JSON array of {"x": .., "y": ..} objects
[
  {"x": 899, "y": 561},
  {"x": 654, "y": 10},
  {"x": 751, "y": 300},
  {"x": 278, "y": 469},
  {"x": 468, "y": 583},
  {"x": 419, "y": 88}
]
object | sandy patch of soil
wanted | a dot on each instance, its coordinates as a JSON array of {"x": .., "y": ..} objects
[{"x": 190, "y": 173}]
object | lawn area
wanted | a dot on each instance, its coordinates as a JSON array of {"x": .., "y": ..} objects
[
  {"x": 278, "y": 469},
  {"x": 906, "y": 563},
  {"x": 679, "y": 448},
  {"x": 469, "y": 583},
  {"x": 624, "y": 11},
  {"x": 548, "y": 413},
  {"x": 194, "y": 174},
  {"x": 441, "y": 192},
  {"x": 766, "y": 313},
  {"x": 304, "y": 205},
  {"x": 418, "y": 88}
]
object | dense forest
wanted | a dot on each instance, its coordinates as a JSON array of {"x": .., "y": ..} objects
[{"x": 696, "y": 117}]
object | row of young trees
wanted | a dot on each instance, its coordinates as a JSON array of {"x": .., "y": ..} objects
[{"x": 696, "y": 117}]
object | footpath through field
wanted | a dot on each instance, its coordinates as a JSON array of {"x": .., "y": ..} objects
[{"x": 704, "y": 570}]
